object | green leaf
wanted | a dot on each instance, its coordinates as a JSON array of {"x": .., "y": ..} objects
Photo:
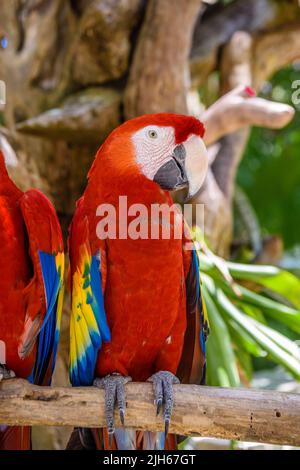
[
  {"x": 275, "y": 279},
  {"x": 252, "y": 311},
  {"x": 252, "y": 272},
  {"x": 276, "y": 352},
  {"x": 286, "y": 315},
  {"x": 221, "y": 361},
  {"x": 243, "y": 340},
  {"x": 245, "y": 362},
  {"x": 216, "y": 372},
  {"x": 285, "y": 343},
  {"x": 285, "y": 284}
]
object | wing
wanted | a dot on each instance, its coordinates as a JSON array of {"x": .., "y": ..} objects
[
  {"x": 88, "y": 325},
  {"x": 192, "y": 365},
  {"x": 44, "y": 294}
]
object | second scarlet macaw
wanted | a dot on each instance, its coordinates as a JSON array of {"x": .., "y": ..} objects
[
  {"x": 31, "y": 291},
  {"x": 137, "y": 312}
]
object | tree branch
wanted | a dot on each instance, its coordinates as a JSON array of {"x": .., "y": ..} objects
[
  {"x": 95, "y": 111},
  {"x": 230, "y": 117},
  {"x": 275, "y": 50},
  {"x": 159, "y": 75},
  {"x": 238, "y": 109},
  {"x": 259, "y": 18},
  {"x": 251, "y": 415}
]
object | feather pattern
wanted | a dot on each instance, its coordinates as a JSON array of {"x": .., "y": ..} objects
[
  {"x": 192, "y": 366},
  {"x": 199, "y": 299},
  {"x": 153, "y": 440},
  {"x": 31, "y": 289},
  {"x": 42, "y": 325},
  {"x": 125, "y": 439},
  {"x": 89, "y": 326},
  {"x": 52, "y": 267},
  {"x": 151, "y": 287}
]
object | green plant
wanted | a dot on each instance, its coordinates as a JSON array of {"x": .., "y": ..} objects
[{"x": 247, "y": 305}]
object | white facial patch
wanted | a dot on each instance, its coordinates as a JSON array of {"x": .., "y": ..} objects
[{"x": 154, "y": 146}]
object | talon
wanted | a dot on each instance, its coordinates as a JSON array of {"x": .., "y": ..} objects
[
  {"x": 163, "y": 391},
  {"x": 159, "y": 405},
  {"x": 6, "y": 373},
  {"x": 114, "y": 394},
  {"x": 122, "y": 416}
]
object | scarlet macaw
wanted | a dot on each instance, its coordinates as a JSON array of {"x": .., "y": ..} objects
[
  {"x": 137, "y": 312},
  {"x": 31, "y": 291}
]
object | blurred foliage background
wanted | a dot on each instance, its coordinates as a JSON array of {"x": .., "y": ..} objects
[
  {"x": 266, "y": 213},
  {"x": 249, "y": 335},
  {"x": 270, "y": 170}
]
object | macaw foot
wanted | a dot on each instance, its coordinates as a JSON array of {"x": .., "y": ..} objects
[
  {"x": 163, "y": 392},
  {"x": 5, "y": 373},
  {"x": 114, "y": 394}
]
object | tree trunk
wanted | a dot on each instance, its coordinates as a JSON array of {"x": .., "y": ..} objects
[{"x": 159, "y": 76}]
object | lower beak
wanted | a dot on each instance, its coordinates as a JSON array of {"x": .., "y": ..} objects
[{"x": 186, "y": 168}]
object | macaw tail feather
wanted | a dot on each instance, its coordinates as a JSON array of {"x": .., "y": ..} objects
[
  {"x": 123, "y": 439},
  {"x": 15, "y": 438}
]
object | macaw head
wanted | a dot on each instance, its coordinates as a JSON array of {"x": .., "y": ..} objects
[{"x": 165, "y": 148}]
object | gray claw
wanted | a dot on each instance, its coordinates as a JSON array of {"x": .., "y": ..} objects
[
  {"x": 159, "y": 403},
  {"x": 6, "y": 373},
  {"x": 122, "y": 416},
  {"x": 114, "y": 394},
  {"x": 163, "y": 391}
]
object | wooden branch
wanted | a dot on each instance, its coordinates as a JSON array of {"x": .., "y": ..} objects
[
  {"x": 217, "y": 25},
  {"x": 22, "y": 172},
  {"x": 95, "y": 111},
  {"x": 234, "y": 111},
  {"x": 217, "y": 212},
  {"x": 159, "y": 74},
  {"x": 242, "y": 414},
  {"x": 275, "y": 50},
  {"x": 240, "y": 108}
]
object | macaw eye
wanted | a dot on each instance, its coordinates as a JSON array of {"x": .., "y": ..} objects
[{"x": 152, "y": 134}]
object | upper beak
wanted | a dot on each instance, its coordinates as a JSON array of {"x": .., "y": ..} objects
[
  {"x": 196, "y": 163},
  {"x": 187, "y": 167}
]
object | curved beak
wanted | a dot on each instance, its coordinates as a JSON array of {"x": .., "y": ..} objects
[{"x": 186, "y": 168}]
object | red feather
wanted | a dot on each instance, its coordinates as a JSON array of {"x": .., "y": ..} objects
[
  {"x": 145, "y": 297},
  {"x": 28, "y": 224}
]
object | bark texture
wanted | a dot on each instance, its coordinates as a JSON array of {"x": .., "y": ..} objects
[
  {"x": 159, "y": 75},
  {"x": 240, "y": 414}
]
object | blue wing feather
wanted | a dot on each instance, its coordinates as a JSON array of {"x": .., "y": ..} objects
[
  {"x": 192, "y": 366},
  {"x": 198, "y": 298},
  {"x": 49, "y": 333},
  {"x": 89, "y": 327},
  {"x": 96, "y": 283}
]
